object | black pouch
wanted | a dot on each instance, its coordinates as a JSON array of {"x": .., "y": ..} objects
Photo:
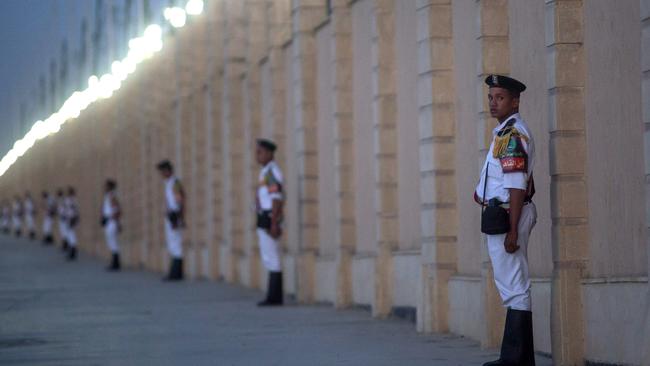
[
  {"x": 264, "y": 220},
  {"x": 495, "y": 219},
  {"x": 174, "y": 219},
  {"x": 103, "y": 221}
]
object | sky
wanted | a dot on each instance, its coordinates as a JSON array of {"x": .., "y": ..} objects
[{"x": 31, "y": 33}]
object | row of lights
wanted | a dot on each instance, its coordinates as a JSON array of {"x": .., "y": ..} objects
[{"x": 140, "y": 49}]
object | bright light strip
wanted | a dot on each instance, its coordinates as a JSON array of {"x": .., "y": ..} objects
[
  {"x": 140, "y": 49},
  {"x": 176, "y": 16},
  {"x": 194, "y": 7}
]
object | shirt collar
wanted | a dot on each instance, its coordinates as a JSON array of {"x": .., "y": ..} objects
[{"x": 502, "y": 124}]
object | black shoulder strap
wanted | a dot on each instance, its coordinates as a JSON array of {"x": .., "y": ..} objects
[{"x": 487, "y": 166}]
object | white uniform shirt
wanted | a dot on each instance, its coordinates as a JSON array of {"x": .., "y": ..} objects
[
  {"x": 28, "y": 206},
  {"x": 499, "y": 182},
  {"x": 107, "y": 208},
  {"x": 62, "y": 211},
  {"x": 50, "y": 206},
  {"x": 70, "y": 207},
  {"x": 270, "y": 186},
  {"x": 170, "y": 197},
  {"x": 17, "y": 209}
]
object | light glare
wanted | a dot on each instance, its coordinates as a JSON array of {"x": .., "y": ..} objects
[
  {"x": 140, "y": 49},
  {"x": 194, "y": 7}
]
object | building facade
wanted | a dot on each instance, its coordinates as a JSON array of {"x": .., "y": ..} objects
[{"x": 380, "y": 112}]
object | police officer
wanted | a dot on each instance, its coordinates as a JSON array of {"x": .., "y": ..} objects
[
  {"x": 269, "y": 201},
  {"x": 506, "y": 186},
  {"x": 72, "y": 217},
  {"x": 30, "y": 211},
  {"x": 61, "y": 213},
  {"x": 17, "y": 216},
  {"x": 111, "y": 223},
  {"x": 6, "y": 217},
  {"x": 174, "y": 219},
  {"x": 49, "y": 208}
]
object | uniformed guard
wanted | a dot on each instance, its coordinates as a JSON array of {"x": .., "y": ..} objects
[
  {"x": 505, "y": 192},
  {"x": 174, "y": 219},
  {"x": 30, "y": 212},
  {"x": 61, "y": 212},
  {"x": 269, "y": 201},
  {"x": 72, "y": 216},
  {"x": 6, "y": 217},
  {"x": 17, "y": 216},
  {"x": 111, "y": 223},
  {"x": 49, "y": 209}
]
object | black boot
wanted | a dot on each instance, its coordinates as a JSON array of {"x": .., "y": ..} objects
[
  {"x": 64, "y": 245},
  {"x": 115, "y": 263},
  {"x": 48, "y": 240},
  {"x": 175, "y": 270},
  {"x": 72, "y": 253},
  {"x": 275, "y": 294},
  {"x": 18, "y": 233},
  {"x": 517, "y": 348},
  {"x": 32, "y": 235}
]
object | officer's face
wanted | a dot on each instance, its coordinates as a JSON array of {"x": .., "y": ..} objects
[
  {"x": 165, "y": 173},
  {"x": 263, "y": 155},
  {"x": 502, "y": 103}
]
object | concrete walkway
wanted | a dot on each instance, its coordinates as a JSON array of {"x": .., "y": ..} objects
[{"x": 58, "y": 313}]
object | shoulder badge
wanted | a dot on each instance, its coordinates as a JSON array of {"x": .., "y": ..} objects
[
  {"x": 178, "y": 187},
  {"x": 509, "y": 149},
  {"x": 271, "y": 182}
]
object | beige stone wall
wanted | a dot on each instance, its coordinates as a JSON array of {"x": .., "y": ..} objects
[
  {"x": 645, "y": 95},
  {"x": 379, "y": 111}
]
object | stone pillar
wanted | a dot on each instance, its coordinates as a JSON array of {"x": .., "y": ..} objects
[
  {"x": 645, "y": 96},
  {"x": 198, "y": 34},
  {"x": 149, "y": 179},
  {"x": 385, "y": 133},
  {"x": 280, "y": 33},
  {"x": 568, "y": 178},
  {"x": 307, "y": 14},
  {"x": 232, "y": 136},
  {"x": 213, "y": 179},
  {"x": 257, "y": 46},
  {"x": 494, "y": 58},
  {"x": 437, "y": 164},
  {"x": 341, "y": 19},
  {"x": 163, "y": 144}
]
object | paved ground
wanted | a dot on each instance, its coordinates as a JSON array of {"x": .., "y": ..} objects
[{"x": 58, "y": 313}]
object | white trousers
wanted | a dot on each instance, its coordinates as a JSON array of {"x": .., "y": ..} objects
[
  {"x": 47, "y": 225},
  {"x": 269, "y": 251},
  {"x": 63, "y": 230},
  {"x": 72, "y": 236},
  {"x": 110, "y": 230},
  {"x": 29, "y": 222},
  {"x": 511, "y": 270},
  {"x": 174, "y": 238},
  {"x": 16, "y": 222}
]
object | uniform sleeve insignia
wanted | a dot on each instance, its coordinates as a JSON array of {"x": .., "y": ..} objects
[
  {"x": 178, "y": 187},
  {"x": 510, "y": 149},
  {"x": 273, "y": 185}
]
